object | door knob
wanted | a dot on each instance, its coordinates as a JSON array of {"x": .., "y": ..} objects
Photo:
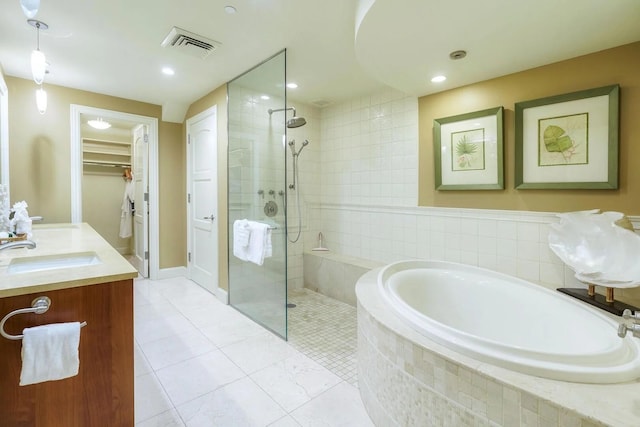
[{"x": 210, "y": 217}]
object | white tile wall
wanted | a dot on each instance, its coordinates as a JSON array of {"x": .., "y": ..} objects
[
  {"x": 367, "y": 201},
  {"x": 358, "y": 183}
]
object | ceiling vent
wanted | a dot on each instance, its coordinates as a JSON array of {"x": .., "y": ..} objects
[{"x": 189, "y": 43}]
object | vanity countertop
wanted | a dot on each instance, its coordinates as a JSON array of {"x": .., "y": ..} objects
[{"x": 57, "y": 241}]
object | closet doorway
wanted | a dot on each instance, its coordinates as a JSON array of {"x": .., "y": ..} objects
[{"x": 114, "y": 182}]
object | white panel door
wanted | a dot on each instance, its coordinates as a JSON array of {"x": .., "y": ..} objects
[
  {"x": 203, "y": 213},
  {"x": 140, "y": 169}
]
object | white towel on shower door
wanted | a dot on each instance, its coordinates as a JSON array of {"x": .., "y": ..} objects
[
  {"x": 259, "y": 242},
  {"x": 241, "y": 237}
]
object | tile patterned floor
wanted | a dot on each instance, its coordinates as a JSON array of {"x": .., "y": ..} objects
[
  {"x": 201, "y": 363},
  {"x": 326, "y": 331}
]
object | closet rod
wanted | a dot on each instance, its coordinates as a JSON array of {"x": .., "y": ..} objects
[{"x": 110, "y": 165}]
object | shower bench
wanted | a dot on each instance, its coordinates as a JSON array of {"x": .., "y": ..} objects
[{"x": 335, "y": 275}]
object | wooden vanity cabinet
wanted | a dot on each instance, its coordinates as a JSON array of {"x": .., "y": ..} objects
[{"x": 102, "y": 394}]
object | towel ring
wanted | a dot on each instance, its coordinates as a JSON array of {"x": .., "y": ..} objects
[{"x": 39, "y": 305}]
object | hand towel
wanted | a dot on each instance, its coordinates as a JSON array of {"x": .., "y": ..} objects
[
  {"x": 241, "y": 236},
  {"x": 50, "y": 352},
  {"x": 258, "y": 242}
]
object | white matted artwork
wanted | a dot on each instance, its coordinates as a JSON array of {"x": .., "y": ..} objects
[
  {"x": 468, "y": 151},
  {"x": 568, "y": 141}
]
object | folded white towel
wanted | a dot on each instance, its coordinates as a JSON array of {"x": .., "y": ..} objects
[
  {"x": 268, "y": 250},
  {"x": 241, "y": 232},
  {"x": 50, "y": 352},
  {"x": 241, "y": 236},
  {"x": 259, "y": 241}
]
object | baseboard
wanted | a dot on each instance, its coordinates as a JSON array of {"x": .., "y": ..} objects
[
  {"x": 222, "y": 295},
  {"x": 169, "y": 273}
]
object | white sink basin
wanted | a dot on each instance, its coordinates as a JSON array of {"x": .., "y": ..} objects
[{"x": 51, "y": 262}]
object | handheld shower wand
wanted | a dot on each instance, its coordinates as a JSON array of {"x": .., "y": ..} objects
[{"x": 295, "y": 154}]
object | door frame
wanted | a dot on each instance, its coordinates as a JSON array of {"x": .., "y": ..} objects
[
  {"x": 76, "y": 173},
  {"x": 213, "y": 110},
  {"x": 4, "y": 131}
]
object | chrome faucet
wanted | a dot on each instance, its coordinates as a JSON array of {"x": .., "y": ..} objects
[
  {"x": 634, "y": 328},
  {"x": 29, "y": 244}
]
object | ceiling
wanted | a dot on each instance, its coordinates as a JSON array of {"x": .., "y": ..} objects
[{"x": 336, "y": 49}]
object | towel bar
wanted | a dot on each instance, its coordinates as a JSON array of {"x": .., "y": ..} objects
[{"x": 38, "y": 306}]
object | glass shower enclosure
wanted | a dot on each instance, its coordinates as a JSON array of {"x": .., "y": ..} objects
[{"x": 256, "y": 193}]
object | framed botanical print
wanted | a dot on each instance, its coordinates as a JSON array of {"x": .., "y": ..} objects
[
  {"x": 568, "y": 141},
  {"x": 468, "y": 151}
]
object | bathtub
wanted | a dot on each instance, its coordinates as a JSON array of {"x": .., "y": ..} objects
[
  {"x": 509, "y": 322},
  {"x": 448, "y": 344}
]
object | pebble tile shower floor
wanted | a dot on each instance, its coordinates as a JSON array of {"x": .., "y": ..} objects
[{"x": 325, "y": 330}]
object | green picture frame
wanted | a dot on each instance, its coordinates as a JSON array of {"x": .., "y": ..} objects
[
  {"x": 568, "y": 141},
  {"x": 469, "y": 151}
]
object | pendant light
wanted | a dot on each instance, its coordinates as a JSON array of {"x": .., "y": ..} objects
[
  {"x": 30, "y": 7},
  {"x": 38, "y": 60},
  {"x": 41, "y": 100}
]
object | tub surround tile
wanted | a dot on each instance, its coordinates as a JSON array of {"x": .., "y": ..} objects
[{"x": 457, "y": 390}]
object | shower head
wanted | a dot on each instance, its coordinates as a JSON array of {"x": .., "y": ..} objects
[{"x": 296, "y": 122}]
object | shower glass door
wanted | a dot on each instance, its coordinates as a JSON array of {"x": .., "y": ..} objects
[{"x": 256, "y": 192}]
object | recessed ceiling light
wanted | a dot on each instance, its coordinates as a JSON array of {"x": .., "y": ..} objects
[
  {"x": 438, "y": 79},
  {"x": 292, "y": 85},
  {"x": 230, "y": 10},
  {"x": 168, "y": 71},
  {"x": 99, "y": 124},
  {"x": 265, "y": 97}
]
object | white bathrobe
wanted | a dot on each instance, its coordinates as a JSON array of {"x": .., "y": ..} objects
[{"x": 126, "y": 217}]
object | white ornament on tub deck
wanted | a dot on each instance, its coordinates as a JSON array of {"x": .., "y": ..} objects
[{"x": 597, "y": 249}]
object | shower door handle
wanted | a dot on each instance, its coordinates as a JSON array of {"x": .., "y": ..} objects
[{"x": 210, "y": 217}]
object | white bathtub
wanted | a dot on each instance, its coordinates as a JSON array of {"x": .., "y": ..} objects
[{"x": 509, "y": 322}]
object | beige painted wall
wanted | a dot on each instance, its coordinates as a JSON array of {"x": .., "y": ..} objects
[
  {"x": 39, "y": 151},
  {"x": 218, "y": 97},
  {"x": 173, "y": 195},
  {"x": 101, "y": 207},
  {"x": 614, "y": 66}
]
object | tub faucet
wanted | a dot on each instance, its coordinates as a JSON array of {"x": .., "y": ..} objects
[
  {"x": 30, "y": 244},
  {"x": 635, "y": 328}
]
